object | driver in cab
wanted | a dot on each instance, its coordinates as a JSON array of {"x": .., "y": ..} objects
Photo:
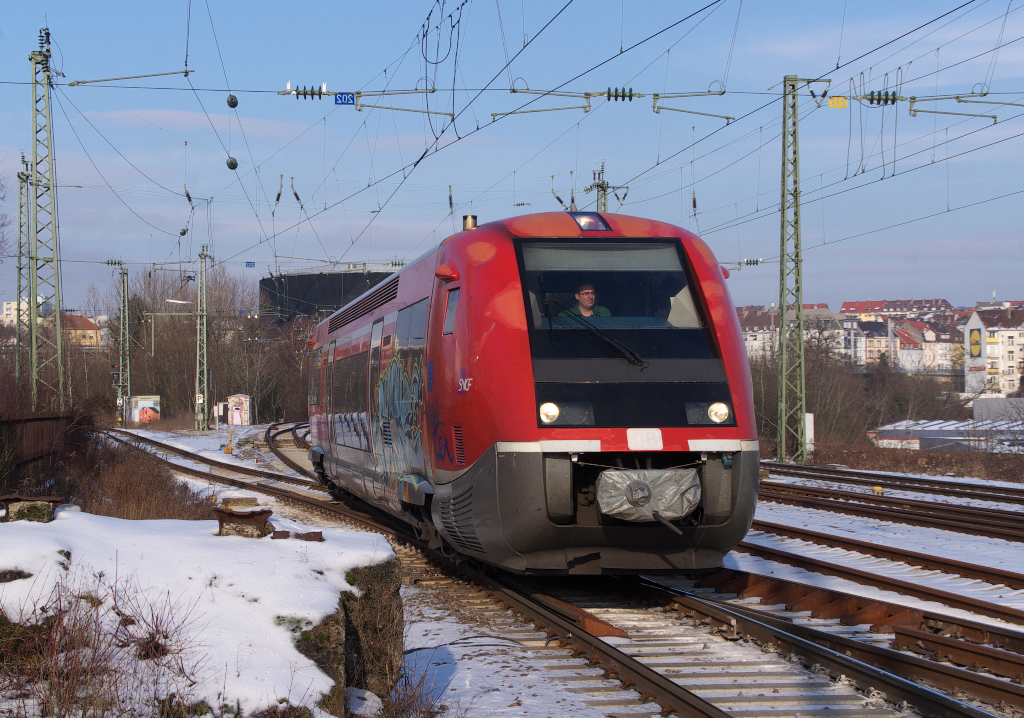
[{"x": 586, "y": 303}]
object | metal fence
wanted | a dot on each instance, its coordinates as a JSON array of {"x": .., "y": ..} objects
[{"x": 32, "y": 439}]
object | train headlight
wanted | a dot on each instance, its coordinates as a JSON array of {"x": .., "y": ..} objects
[
  {"x": 549, "y": 412},
  {"x": 718, "y": 412}
]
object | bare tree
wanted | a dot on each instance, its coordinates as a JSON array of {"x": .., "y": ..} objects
[{"x": 5, "y": 221}]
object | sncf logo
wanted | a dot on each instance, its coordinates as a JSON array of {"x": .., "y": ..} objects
[{"x": 465, "y": 382}]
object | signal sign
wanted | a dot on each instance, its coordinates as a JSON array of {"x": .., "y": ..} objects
[
  {"x": 345, "y": 98},
  {"x": 837, "y": 102},
  {"x": 250, "y": 265}
]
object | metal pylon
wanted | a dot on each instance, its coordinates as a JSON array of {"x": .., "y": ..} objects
[
  {"x": 791, "y": 429},
  {"x": 124, "y": 377},
  {"x": 44, "y": 300},
  {"x": 602, "y": 187},
  {"x": 202, "y": 335},
  {"x": 21, "y": 299}
]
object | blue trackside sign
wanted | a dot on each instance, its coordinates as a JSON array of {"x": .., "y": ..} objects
[
  {"x": 250, "y": 265},
  {"x": 345, "y": 98}
]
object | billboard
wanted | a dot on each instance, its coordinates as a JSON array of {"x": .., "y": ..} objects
[
  {"x": 975, "y": 337},
  {"x": 143, "y": 409}
]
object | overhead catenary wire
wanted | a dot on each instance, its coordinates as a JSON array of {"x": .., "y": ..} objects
[
  {"x": 95, "y": 167},
  {"x": 408, "y": 164}
]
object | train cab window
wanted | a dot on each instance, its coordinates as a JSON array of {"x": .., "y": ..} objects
[
  {"x": 449, "y": 311},
  {"x": 586, "y": 296}
]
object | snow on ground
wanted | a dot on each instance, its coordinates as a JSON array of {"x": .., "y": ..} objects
[
  {"x": 233, "y": 589},
  {"x": 838, "y": 484},
  {"x": 953, "y": 481},
  {"x": 210, "y": 445},
  {"x": 995, "y": 553}
]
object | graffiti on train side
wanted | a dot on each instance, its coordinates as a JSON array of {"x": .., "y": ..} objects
[
  {"x": 398, "y": 414},
  {"x": 438, "y": 435}
]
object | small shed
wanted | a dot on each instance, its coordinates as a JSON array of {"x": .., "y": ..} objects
[
  {"x": 143, "y": 409},
  {"x": 239, "y": 410}
]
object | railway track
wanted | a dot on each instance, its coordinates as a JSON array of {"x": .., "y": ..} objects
[
  {"x": 642, "y": 647},
  {"x": 288, "y": 461},
  {"x": 1008, "y": 525},
  {"x": 926, "y": 485},
  {"x": 993, "y": 576}
]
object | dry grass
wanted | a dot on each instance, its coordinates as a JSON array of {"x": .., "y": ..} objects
[
  {"x": 110, "y": 479},
  {"x": 416, "y": 697},
  {"x": 95, "y": 647},
  {"x": 376, "y": 635},
  {"x": 113, "y": 480}
]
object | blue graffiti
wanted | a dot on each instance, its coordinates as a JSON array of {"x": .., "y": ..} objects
[{"x": 438, "y": 435}]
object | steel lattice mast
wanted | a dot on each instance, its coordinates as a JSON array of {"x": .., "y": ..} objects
[
  {"x": 123, "y": 377},
  {"x": 791, "y": 429},
  {"x": 202, "y": 335},
  {"x": 44, "y": 300},
  {"x": 21, "y": 318}
]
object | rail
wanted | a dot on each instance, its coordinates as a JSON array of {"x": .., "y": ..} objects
[{"x": 964, "y": 489}]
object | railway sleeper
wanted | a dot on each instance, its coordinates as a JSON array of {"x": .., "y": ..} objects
[
  {"x": 962, "y": 653},
  {"x": 822, "y": 604}
]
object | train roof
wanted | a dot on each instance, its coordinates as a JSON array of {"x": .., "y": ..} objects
[{"x": 548, "y": 224}]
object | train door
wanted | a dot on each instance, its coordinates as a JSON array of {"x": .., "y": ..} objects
[
  {"x": 376, "y": 443},
  {"x": 329, "y": 399}
]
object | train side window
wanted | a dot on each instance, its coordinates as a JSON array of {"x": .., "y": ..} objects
[
  {"x": 449, "y": 312},
  {"x": 411, "y": 324}
]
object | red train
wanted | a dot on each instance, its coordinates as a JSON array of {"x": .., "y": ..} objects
[{"x": 552, "y": 393}]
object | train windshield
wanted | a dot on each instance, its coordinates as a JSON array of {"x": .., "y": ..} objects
[{"x": 588, "y": 298}]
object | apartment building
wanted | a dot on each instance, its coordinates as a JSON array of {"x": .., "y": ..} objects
[
  {"x": 881, "y": 309},
  {"x": 941, "y": 344},
  {"x": 879, "y": 340},
  {"x": 993, "y": 340},
  {"x": 9, "y": 318},
  {"x": 760, "y": 329}
]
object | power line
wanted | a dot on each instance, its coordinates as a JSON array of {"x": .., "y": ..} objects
[{"x": 120, "y": 199}]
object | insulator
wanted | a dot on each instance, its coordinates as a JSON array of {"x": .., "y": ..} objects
[
  {"x": 631, "y": 94},
  {"x": 608, "y": 94},
  {"x": 232, "y": 101}
]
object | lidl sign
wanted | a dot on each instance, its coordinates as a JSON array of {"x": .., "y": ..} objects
[{"x": 975, "y": 337}]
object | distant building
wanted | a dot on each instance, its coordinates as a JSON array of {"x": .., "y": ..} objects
[
  {"x": 284, "y": 297},
  {"x": 1000, "y": 436},
  {"x": 81, "y": 331},
  {"x": 854, "y": 344},
  {"x": 877, "y": 310},
  {"x": 993, "y": 341},
  {"x": 940, "y": 345},
  {"x": 760, "y": 327},
  {"x": 879, "y": 339},
  {"x": 910, "y": 357},
  {"x": 760, "y": 332},
  {"x": 994, "y": 304},
  {"x": 10, "y": 312}
]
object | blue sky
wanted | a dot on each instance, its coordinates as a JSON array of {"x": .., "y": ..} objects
[{"x": 935, "y": 228}]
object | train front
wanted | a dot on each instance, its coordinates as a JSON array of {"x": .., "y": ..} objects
[{"x": 589, "y": 405}]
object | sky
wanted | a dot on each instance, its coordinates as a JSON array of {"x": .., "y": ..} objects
[{"x": 893, "y": 205}]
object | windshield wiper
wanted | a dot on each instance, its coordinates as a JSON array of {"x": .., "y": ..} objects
[{"x": 605, "y": 340}]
